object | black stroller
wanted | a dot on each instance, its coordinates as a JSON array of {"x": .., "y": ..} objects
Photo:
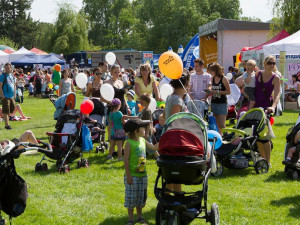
[
  {"x": 290, "y": 169},
  {"x": 98, "y": 135},
  {"x": 184, "y": 159},
  {"x": 13, "y": 189}
]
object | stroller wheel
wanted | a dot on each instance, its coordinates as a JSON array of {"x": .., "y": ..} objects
[
  {"x": 294, "y": 175},
  {"x": 160, "y": 215},
  {"x": 106, "y": 145},
  {"x": 220, "y": 169},
  {"x": 86, "y": 163},
  {"x": 61, "y": 169},
  {"x": 38, "y": 167},
  {"x": 214, "y": 216},
  {"x": 67, "y": 169},
  {"x": 97, "y": 149},
  {"x": 44, "y": 167},
  {"x": 79, "y": 164},
  {"x": 261, "y": 166}
]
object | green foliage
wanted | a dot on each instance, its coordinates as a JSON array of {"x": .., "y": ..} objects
[
  {"x": 70, "y": 32},
  {"x": 289, "y": 11},
  {"x": 15, "y": 24},
  {"x": 276, "y": 25},
  {"x": 251, "y": 19},
  {"x": 6, "y": 41}
]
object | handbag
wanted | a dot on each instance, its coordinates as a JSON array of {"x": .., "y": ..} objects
[
  {"x": 87, "y": 143},
  {"x": 119, "y": 133}
]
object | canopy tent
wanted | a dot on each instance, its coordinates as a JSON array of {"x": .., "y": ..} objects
[
  {"x": 61, "y": 56},
  {"x": 38, "y": 51},
  {"x": 19, "y": 54},
  {"x": 46, "y": 60},
  {"x": 291, "y": 45},
  {"x": 253, "y": 53},
  {"x": 8, "y": 51},
  {"x": 3, "y": 47},
  {"x": 4, "y": 57}
]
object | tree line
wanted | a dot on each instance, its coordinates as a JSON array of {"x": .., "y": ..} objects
[{"x": 115, "y": 24}]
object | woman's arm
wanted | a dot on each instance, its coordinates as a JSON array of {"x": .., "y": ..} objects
[
  {"x": 151, "y": 146},
  {"x": 248, "y": 78},
  {"x": 176, "y": 109},
  {"x": 72, "y": 86},
  {"x": 156, "y": 91},
  {"x": 137, "y": 89},
  {"x": 227, "y": 86},
  {"x": 276, "y": 83},
  {"x": 88, "y": 90}
]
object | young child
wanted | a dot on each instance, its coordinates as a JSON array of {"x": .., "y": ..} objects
[
  {"x": 130, "y": 96},
  {"x": 292, "y": 151},
  {"x": 249, "y": 79},
  {"x": 135, "y": 178},
  {"x": 159, "y": 127},
  {"x": 30, "y": 88}
]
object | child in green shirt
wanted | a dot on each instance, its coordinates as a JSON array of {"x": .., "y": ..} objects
[{"x": 135, "y": 178}]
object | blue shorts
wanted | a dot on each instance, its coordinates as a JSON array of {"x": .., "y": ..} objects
[
  {"x": 136, "y": 193},
  {"x": 219, "y": 108}
]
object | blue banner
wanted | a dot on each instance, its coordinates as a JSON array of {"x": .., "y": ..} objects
[{"x": 188, "y": 57}]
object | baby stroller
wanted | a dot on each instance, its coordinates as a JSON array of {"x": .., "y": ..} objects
[
  {"x": 13, "y": 189},
  {"x": 184, "y": 159},
  {"x": 290, "y": 169},
  {"x": 98, "y": 135},
  {"x": 251, "y": 126},
  {"x": 63, "y": 103}
]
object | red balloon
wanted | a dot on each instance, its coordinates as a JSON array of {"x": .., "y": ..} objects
[
  {"x": 272, "y": 120},
  {"x": 87, "y": 106}
]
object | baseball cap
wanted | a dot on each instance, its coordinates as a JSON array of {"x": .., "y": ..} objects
[
  {"x": 134, "y": 124},
  {"x": 116, "y": 101},
  {"x": 131, "y": 92}
]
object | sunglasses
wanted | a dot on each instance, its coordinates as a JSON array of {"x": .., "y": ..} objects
[
  {"x": 271, "y": 63},
  {"x": 98, "y": 73}
]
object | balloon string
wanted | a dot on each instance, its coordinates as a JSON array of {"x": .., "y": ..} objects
[{"x": 191, "y": 99}]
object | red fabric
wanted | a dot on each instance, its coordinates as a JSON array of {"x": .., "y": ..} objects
[
  {"x": 38, "y": 51},
  {"x": 180, "y": 142},
  {"x": 281, "y": 35},
  {"x": 8, "y": 51}
]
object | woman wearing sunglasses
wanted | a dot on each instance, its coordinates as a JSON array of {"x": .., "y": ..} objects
[
  {"x": 267, "y": 82},
  {"x": 93, "y": 88}
]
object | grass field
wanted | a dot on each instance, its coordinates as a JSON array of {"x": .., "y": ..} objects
[{"x": 95, "y": 195}]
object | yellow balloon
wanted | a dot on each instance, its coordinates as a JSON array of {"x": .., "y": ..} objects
[
  {"x": 170, "y": 64},
  {"x": 51, "y": 86}
]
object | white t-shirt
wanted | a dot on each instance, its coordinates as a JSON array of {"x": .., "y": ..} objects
[{"x": 252, "y": 79}]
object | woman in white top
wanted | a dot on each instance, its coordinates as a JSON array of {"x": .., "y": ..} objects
[{"x": 66, "y": 83}]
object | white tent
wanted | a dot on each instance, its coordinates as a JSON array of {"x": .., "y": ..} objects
[
  {"x": 19, "y": 54},
  {"x": 4, "y": 57},
  {"x": 290, "y": 44}
]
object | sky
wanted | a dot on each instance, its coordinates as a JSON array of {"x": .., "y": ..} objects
[{"x": 46, "y": 10}]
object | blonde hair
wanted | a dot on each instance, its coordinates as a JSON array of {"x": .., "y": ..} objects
[
  {"x": 251, "y": 62},
  {"x": 268, "y": 58}
]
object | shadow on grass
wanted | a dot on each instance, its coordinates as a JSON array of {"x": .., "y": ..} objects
[
  {"x": 122, "y": 220},
  {"x": 234, "y": 173},
  {"x": 277, "y": 176},
  {"x": 51, "y": 169},
  {"x": 293, "y": 202},
  {"x": 283, "y": 124}
]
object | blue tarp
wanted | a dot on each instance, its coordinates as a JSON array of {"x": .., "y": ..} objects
[
  {"x": 188, "y": 57},
  {"x": 46, "y": 60}
]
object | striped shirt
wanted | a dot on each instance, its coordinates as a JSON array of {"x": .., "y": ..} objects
[{"x": 198, "y": 84}]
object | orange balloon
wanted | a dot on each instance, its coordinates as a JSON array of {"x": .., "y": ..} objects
[
  {"x": 57, "y": 67},
  {"x": 170, "y": 64}
]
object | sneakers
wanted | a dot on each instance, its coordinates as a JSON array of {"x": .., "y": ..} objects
[
  {"x": 7, "y": 127},
  {"x": 287, "y": 162}
]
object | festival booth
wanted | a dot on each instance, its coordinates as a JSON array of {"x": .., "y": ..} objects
[
  {"x": 43, "y": 60},
  {"x": 4, "y": 57},
  {"x": 38, "y": 51},
  {"x": 222, "y": 39},
  {"x": 256, "y": 52},
  {"x": 4, "y": 47},
  {"x": 19, "y": 54}
]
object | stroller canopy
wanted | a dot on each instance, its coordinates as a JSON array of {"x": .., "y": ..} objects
[
  {"x": 64, "y": 102},
  {"x": 184, "y": 134}
]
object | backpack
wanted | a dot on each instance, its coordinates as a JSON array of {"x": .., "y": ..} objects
[{"x": 4, "y": 80}]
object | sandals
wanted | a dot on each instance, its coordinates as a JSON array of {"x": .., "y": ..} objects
[
  {"x": 141, "y": 221},
  {"x": 130, "y": 222}
]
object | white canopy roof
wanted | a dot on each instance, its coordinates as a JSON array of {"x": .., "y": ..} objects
[
  {"x": 4, "y": 57},
  {"x": 289, "y": 44},
  {"x": 19, "y": 54}
]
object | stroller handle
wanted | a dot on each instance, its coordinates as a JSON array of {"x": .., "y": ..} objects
[
  {"x": 41, "y": 147},
  {"x": 59, "y": 134}
]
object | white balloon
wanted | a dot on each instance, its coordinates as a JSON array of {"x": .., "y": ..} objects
[
  {"x": 235, "y": 94},
  {"x": 107, "y": 92},
  {"x": 81, "y": 80},
  {"x": 110, "y": 58},
  {"x": 229, "y": 76},
  {"x": 165, "y": 90},
  {"x": 152, "y": 105}
]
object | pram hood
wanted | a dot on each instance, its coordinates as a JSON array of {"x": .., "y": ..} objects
[
  {"x": 184, "y": 134},
  {"x": 64, "y": 102},
  {"x": 255, "y": 117}
]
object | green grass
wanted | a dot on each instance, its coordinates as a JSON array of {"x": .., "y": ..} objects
[{"x": 95, "y": 195}]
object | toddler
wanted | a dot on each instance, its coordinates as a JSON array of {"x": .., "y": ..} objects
[
  {"x": 130, "y": 96},
  {"x": 30, "y": 88},
  {"x": 293, "y": 150},
  {"x": 249, "y": 79}
]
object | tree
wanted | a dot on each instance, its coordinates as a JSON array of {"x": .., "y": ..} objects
[
  {"x": 289, "y": 11},
  {"x": 15, "y": 24},
  {"x": 6, "y": 41},
  {"x": 251, "y": 19},
  {"x": 70, "y": 32}
]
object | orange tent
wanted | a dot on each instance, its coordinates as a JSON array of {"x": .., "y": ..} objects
[{"x": 38, "y": 51}]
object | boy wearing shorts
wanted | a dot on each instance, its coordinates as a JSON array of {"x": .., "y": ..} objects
[
  {"x": 135, "y": 179},
  {"x": 249, "y": 79}
]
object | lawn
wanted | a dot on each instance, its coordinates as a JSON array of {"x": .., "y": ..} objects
[{"x": 95, "y": 195}]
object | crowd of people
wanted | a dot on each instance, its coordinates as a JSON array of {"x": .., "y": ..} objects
[{"x": 133, "y": 90}]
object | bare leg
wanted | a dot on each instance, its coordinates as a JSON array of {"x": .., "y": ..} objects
[
  {"x": 6, "y": 119},
  {"x": 221, "y": 119},
  {"x": 251, "y": 105},
  {"x": 111, "y": 147},
  {"x": 139, "y": 212},
  {"x": 28, "y": 136},
  {"x": 265, "y": 150},
  {"x": 291, "y": 152},
  {"x": 130, "y": 214},
  {"x": 119, "y": 146}
]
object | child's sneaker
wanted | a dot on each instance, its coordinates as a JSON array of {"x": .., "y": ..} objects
[
  {"x": 109, "y": 157},
  {"x": 287, "y": 162}
]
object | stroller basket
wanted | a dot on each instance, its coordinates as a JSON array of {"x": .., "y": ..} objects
[{"x": 188, "y": 170}]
